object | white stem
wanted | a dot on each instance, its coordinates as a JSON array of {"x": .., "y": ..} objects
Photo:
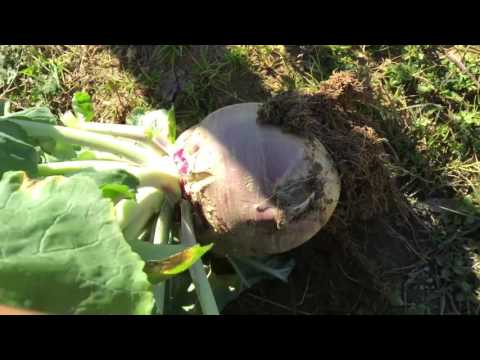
[
  {"x": 134, "y": 216},
  {"x": 197, "y": 272},
  {"x": 130, "y": 132},
  {"x": 161, "y": 175},
  {"x": 125, "y": 148}
]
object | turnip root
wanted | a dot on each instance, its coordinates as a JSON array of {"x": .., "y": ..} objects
[{"x": 258, "y": 190}]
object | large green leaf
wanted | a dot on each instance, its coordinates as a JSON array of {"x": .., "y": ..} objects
[
  {"x": 39, "y": 114},
  {"x": 82, "y": 105},
  {"x": 61, "y": 250},
  {"x": 16, "y": 153}
]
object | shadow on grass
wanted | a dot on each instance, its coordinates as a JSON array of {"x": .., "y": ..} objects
[
  {"x": 196, "y": 79},
  {"x": 330, "y": 277}
]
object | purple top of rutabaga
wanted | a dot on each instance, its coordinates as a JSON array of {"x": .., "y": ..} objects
[
  {"x": 181, "y": 161},
  {"x": 263, "y": 152}
]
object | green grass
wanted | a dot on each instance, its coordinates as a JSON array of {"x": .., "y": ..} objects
[{"x": 428, "y": 105}]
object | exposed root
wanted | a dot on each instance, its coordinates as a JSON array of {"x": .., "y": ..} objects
[{"x": 331, "y": 115}]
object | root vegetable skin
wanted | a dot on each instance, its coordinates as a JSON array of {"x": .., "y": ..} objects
[{"x": 258, "y": 190}]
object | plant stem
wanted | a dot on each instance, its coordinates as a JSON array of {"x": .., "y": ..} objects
[
  {"x": 133, "y": 217},
  {"x": 72, "y": 167},
  {"x": 163, "y": 176},
  {"x": 197, "y": 272},
  {"x": 161, "y": 236},
  {"x": 258, "y": 265},
  {"x": 163, "y": 224},
  {"x": 99, "y": 155},
  {"x": 123, "y": 212},
  {"x": 101, "y": 142},
  {"x": 130, "y": 132},
  {"x": 159, "y": 293}
]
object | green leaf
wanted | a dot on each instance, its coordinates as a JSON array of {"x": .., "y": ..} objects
[
  {"x": 172, "y": 125},
  {"x": 152, "y": 252},
  {"x": 60, "y": 150},
  {"x": 62, "y": 252},
  {"x": 115, "y": 184},
  {"x": 119, "y": 176},
  {"x": 29, "y": 71},
  {"x": 38, "y": 114},
  {"x": 117, "y": 192},
  {"x": 82, "y": 105},
  {"x": 278, "y": 267},
  {"x": 4, "y": 107},
  {"x": 160, "y": 270},
  {"x": 15, "y": 131},
  {"x": 16, "y": 152},
  {"x": 134, "y": 117},
  {"x": 226, "y": 287}
]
